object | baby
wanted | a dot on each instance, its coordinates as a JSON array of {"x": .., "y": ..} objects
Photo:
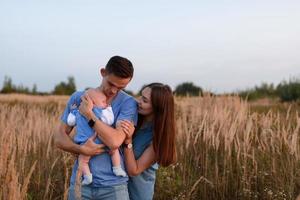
[{"x": 83, "y": 132}]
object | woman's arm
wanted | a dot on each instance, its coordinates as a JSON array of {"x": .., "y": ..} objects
[{"x": 135, "y": 167}]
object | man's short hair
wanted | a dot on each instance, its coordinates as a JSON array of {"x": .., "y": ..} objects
[{"x": 120, "y": 67}]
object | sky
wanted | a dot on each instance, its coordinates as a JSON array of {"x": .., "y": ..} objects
[{"x": 221, "y": 46}]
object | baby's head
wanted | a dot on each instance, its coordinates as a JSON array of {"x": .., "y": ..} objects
[{"x": 99, "y": 99}]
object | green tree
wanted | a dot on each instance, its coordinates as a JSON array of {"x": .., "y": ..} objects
[
  {"x": 262, "y": 91},
  {"x": 65, "y": 88},
  {"x": 34, "y": 89},
  {"x": 8, "y": 86},
  {"x": 22, "y": 89},
  {"x": 289, "y": 91},
  {"x": 188, "y": 88}
]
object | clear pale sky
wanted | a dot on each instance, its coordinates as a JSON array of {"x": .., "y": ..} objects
[{"x": 221, "y": 46}]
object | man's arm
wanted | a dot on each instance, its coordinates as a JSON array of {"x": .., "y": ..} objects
[
  {"x": 111, "y": 137},
  {"x": 63, "y": 141}
]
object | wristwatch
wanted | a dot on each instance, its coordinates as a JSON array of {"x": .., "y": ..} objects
[
  {"x": 128, "y": 146},
  {"x": 91, "y": 123}
]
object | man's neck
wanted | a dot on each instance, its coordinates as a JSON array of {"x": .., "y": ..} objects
[{"x": 110, "y": 99}]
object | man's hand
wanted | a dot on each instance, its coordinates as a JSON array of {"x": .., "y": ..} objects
[
  {"x": 86, "y": 106},
  {"x": 90, "y": 148}
]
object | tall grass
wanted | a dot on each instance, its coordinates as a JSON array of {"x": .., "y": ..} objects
[
  {"x": 225, "y": 151},
  {"x": 30, "y": 166}
]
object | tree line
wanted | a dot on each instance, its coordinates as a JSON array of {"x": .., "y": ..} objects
[
  {"x": 285, "y": 91},
  {"x": 62, "y": 88},
  {"x": 68, "y": 87}
]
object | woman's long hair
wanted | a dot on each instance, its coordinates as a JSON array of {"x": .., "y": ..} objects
[{"x": 163, "y": 123}]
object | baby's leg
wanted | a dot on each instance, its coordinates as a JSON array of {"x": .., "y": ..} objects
[
  {"x": 84, "y": 167},
  {"x": 84, "y": 164},
  {"x": 116, "y": 161},
  {"x": 115, "y": 157}
]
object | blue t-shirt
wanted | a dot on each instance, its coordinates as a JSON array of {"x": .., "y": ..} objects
[
  {"x": 142, "y": 186},
  {"x": 124, "y": 107},
  {"x": 83, "y": 130}
]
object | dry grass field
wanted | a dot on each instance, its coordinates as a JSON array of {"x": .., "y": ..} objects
[{"x": 227, "y": 149}]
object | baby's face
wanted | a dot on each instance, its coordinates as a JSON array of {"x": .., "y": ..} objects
[
  {"x": 102, "y": 101},
  {"x": 98, "y": 98}
]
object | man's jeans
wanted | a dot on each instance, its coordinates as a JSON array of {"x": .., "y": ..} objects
[{"x": 118, "y": 192}]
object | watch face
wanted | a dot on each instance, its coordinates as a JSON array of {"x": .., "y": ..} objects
[
  {"x": 129, "y": 146},
  {"x": 91, "y": 123}
]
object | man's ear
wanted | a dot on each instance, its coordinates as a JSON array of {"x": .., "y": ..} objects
[{"x": 103, "y": 72}]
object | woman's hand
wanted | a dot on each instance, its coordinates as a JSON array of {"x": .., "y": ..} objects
[
  {"x": 128, "y": 129},
  {"x": 86, "y": 106}
]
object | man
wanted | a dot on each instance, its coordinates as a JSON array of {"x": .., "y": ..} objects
[{"x": 115, "y": 76}]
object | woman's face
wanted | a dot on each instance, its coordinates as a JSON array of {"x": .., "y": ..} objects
[{"x": 144, "y": 102}]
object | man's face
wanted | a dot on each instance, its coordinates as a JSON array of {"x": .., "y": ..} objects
[{"x": 112, "y": 84}]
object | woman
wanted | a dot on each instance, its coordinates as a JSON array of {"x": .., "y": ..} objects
[{"x": 153, "y": 141}]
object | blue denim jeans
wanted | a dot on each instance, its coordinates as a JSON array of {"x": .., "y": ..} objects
[{"x": 118, "y": 192}]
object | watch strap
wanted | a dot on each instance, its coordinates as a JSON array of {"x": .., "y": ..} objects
[
  {"x": 128, "y": 146},
  {"x": 91, "y": 123}
]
